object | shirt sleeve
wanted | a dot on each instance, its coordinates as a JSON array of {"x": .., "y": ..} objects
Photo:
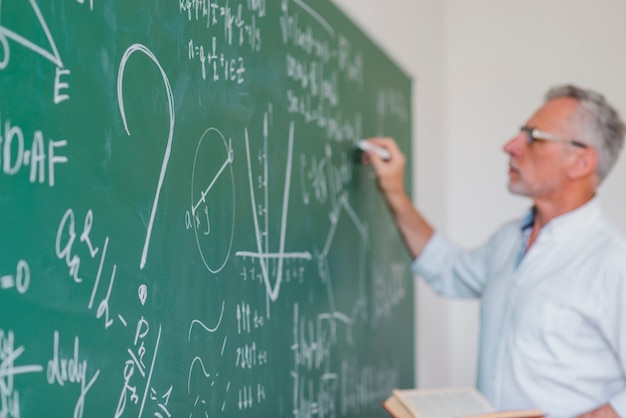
[
  {"x": 614, "y": 323},
  {"x": 450, "y": 270}
]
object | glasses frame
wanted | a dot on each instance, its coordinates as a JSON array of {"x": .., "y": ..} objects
[{"x": 535, "y": 134}]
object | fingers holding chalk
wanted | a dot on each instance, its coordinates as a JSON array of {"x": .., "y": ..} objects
[{"x": 367, "y": 146}]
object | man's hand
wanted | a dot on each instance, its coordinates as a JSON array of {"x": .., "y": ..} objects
[
  {"x": 390, "y": 172},
  {"x": 605, "y": 411}
]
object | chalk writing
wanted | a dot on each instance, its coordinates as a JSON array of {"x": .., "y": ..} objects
[
  {"x": 248, "y": 319},
  {"x": 390, "y": 287},
  {"x": 209, "y": 187},
  {"x": 350, "y": 62},
  {"x": 9, "y": 354},
  {"x": 232, "y": 21},
  {"x": 61, "y": 87},
  {"x": 309, "y": 75},
  {"x": 249, "y": 356},
  {"x": 315, "y": 397},
  {"x": 21, "y": 279},
  {"x": 337, "y": 127},
  {"x": 15, "y": 156},
  {"x": 239, "y": 24},
  {"x": 200, "y": 182},
  {"x": 316, "y": 64},
  {"x": 161, "y": 400},
  {"x": 363, "y": 386},
  {"x": 62, "y": 370},
  {"x": 303, "y": 38},
  {"x": 205, "y": 378},
  {"x": 222, "y": 67},
  {"x": 262, "y": 236},
  {"x": 335, "y": 176},
  {"x": 252, "y": 273},
  {"x": 246, "y": 396},
  {"x": 83, "y": 2},
  {"x": 168, "y": 149},
  {"x": 144, "y": 367},
  {"x": 314, "y": 384},
  {"x": 65, "y": 250},
  {"x": 51, "y": 53},
  {"x": 391, "y": 102}
]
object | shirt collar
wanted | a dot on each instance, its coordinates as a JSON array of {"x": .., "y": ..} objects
[
  {"x": 585, "y": 215},
  {"x": 528, "y": 219}
]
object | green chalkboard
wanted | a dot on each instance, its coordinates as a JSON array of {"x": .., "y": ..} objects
[{"x": 186, "y": 228}]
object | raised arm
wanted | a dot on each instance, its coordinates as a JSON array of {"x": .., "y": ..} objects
[{"x": 415, "y": 230}]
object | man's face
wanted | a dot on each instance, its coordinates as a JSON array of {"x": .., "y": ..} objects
[{"x": 537, "y": 169}]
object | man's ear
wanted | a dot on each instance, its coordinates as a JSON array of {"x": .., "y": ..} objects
[{"x": 585, "y": 162}]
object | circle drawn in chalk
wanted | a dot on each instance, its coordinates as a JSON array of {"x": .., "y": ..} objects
[{"x": 212, "y": 213}]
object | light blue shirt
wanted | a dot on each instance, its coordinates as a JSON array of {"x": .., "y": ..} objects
[{"x": 553, "y": 322}]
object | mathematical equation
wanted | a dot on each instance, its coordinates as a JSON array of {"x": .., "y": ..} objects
[{"x": 238, "y": 26}]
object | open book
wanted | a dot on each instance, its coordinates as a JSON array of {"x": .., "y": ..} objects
[{"x": 447, "y": 403}]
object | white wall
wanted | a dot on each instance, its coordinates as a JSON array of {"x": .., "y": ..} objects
[{"x": 480, "y": 69}]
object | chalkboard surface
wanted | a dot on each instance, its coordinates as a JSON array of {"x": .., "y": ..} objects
[{"x": 186, "y": 229}]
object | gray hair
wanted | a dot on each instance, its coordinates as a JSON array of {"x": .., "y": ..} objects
[{"x": 598, "y": 121}]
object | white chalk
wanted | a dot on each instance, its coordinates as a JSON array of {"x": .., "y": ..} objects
[{"x": 365, "y": 145}]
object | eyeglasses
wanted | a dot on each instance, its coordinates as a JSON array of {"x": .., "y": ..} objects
[{"x": 534, "y": 134}]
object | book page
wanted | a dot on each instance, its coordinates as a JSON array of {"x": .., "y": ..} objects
[{"x": 444, "y": 403}]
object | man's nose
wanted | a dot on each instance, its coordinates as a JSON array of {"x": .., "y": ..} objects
[{"x": 516, "y": 144}]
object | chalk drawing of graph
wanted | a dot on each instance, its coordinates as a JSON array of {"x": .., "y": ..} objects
[
  {"x": 264, "y": 241},
  {"x": 342, "y": 262},
  {"x": 213, "y": 199}
]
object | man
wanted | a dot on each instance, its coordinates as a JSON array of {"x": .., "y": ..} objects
[{"x": 553, "y": 284}]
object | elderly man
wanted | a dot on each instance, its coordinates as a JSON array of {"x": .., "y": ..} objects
[{"x": 552, "y": 284}]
